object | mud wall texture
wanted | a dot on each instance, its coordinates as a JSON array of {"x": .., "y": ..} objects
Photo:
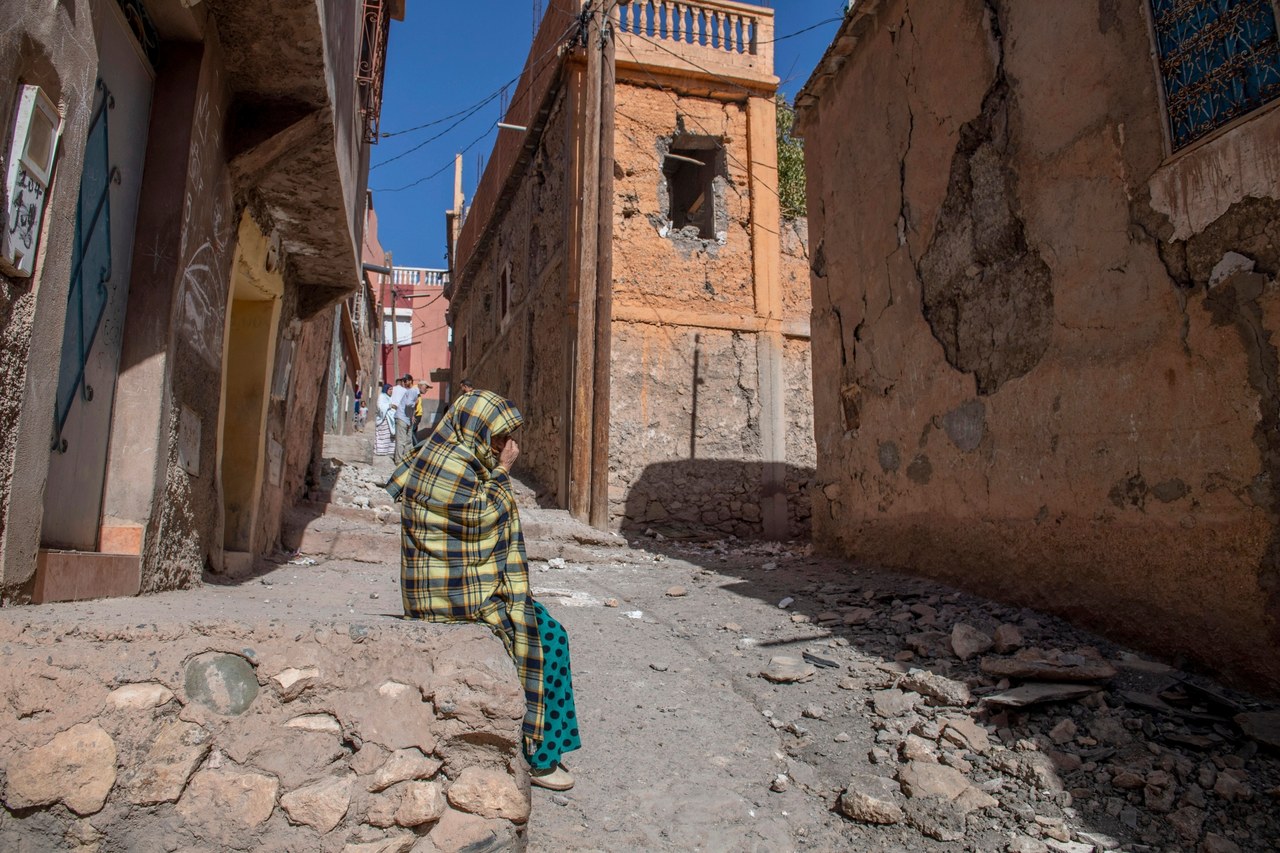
[
  {"x": 1028, "y": 378},
  {"x": 184, "y": 529},
  {"x": 686, "y": 446},
  {"x": 686, "y": 439},
  {"x": 274, "y": 736},
  {"x": 56, "y": 52},
  {"x": 524, "y": 352},
  {"x": 298, "y": 398}
]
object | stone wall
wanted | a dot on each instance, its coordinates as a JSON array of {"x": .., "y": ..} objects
[
  {"x": 1028, "y": 377},
  {"x": 280, "y": 735}
]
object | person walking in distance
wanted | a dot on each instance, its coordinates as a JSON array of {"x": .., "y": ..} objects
[
  {"x": 418, "y": 428},
  {"x": 403, "y": 407}
]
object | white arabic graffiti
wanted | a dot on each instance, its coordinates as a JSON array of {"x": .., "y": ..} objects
[
  {"x": 204, "y": 280},
  {"x": 26, "y": 202}
]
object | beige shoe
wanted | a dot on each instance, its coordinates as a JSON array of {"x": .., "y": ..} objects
[{"x": 555, "y": 779}]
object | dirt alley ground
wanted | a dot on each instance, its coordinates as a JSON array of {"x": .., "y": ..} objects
[
  {"x": 878, "y": 732},
  {"x": 864, "y": 739}
]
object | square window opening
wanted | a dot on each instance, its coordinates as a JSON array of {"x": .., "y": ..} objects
[{"x": 691, "y": 173}]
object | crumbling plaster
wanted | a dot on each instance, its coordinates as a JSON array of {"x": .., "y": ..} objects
[
  {"x": 651, "y": 263},
  {"x": 1120, "y": 474},
  {"x": 676, "y": 299}
]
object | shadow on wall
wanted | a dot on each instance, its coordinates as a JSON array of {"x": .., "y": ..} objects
[{"x": 711, "y": 498}]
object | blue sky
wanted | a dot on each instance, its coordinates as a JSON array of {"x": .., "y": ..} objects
[{"x": 445, "y": 57}]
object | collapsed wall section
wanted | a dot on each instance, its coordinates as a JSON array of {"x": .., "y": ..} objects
[{"x": 1033, "y": 373}]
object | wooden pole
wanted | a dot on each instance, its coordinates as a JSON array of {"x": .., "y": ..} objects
[
  {"x": 584, "y": 345},
  {"x": 604, "y": 287}
]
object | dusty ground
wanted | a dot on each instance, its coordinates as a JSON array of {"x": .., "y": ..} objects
[
  {"x": 687, "y": 747},
  {"x": 684, "y": 742}
]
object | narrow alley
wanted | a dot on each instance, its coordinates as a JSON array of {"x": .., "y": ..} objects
[
  {"x": 733, "y": 696},
  {"x": 888, "y": 391}
]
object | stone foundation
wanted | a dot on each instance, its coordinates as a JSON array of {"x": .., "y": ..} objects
[{"x": 215, "y": 735}]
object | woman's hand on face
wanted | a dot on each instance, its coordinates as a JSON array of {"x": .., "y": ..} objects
[{"x": 507, "y": 457}]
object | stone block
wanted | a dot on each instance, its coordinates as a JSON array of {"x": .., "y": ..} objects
[
  {"x": 320, "y": 805},
  {"x": 226, "y": 804},
  {"x": 171, "y": 757},
  {"x": 224, "y": 683},
  {"x": 76, "y": 768},
  {"x": 489, "y": 793},
  {"x": 81, "y": 575}
]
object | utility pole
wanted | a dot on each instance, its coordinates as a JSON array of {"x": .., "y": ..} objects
[
  {"x": 604, "y": 278},
  {"x": 395, "y": 325},
  {"x": 582, "y": 430}
]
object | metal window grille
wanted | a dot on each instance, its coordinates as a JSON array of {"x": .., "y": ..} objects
[
  {"x": 89, "y": 291},
  {"x": 1219, "y": 59},
  {"x": 373, "y": 59}
]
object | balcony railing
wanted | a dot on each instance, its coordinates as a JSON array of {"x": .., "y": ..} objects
[
  {"x": 730, "y": 30},
  {"x": 418, "y": 277},
  {"x": 707, "y": 37},
  {"x": 373, "y": 60}
]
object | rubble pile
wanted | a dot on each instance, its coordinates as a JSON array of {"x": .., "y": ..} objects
[
  {"x": 353, "y": 484},
  {"x": 1001, "y": 728}
]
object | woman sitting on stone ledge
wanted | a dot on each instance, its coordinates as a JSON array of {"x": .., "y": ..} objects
[{"x": 462, "y": 559}]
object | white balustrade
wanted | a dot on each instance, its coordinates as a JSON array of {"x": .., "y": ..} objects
[{"x": 725, "y": 27}]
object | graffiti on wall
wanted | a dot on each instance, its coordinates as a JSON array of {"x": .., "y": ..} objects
[
  {"x": 206, "y": 213},
  {"x": 28, "y": 199}
]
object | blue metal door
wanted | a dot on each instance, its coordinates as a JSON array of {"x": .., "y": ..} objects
[{"x": 98, "y": 291}]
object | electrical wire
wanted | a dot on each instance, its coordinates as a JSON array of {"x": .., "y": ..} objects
[
  {"x": 675, "y": 100},
  {"x": 538, "y": 72},
  {"x": 488, "y": 98},
  {"x": 442, "y": 169}
]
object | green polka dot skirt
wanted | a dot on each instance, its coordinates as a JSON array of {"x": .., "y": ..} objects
[{"x": 560, "y": 720}]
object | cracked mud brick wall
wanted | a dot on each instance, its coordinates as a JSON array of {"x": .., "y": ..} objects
[
  {"x": 184, "y": 531},
  {"x": 686, "y": 440},
  {"x": 1027, "y": 377},
  {"x": 525, "y": 354}
]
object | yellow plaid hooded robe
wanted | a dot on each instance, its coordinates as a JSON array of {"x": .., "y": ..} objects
[{"x": 462, "y": 556}]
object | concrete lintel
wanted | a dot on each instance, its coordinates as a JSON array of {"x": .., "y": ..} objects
[{"x": 659, "y": 316}]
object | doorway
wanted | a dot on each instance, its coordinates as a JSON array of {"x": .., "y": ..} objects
[
  {"x": 98, "y": 294},
  {"x": 253, "y": 319}
]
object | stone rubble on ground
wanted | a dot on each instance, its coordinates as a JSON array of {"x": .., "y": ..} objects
[{"x": 1001, "y": 728}]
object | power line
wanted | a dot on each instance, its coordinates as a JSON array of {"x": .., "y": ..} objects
[
  {"x": 675, "y": 100},
  {"x": 467, "y": 112},
  {"x": 442, "y": 169},
  {"x": 431, "y": 139}
]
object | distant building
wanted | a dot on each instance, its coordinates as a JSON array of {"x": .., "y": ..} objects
[
  {"x": 185, "y": 185},
  {"x": 354, "y": 358},
  {"x": 708, "y": 425},
  {"x": 1045, "y": 310},
  {"x": 418, "y": 341}
]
